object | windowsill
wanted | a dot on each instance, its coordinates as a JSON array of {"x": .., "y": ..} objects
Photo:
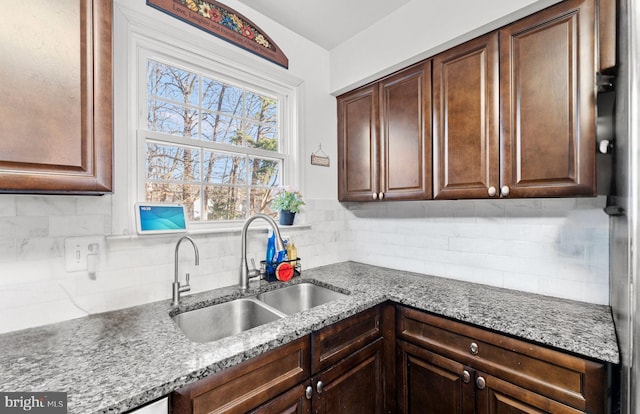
[{"x": 197, "y": 232}]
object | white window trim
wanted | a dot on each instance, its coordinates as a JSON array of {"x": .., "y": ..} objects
[{"x": 135, "y": 32}]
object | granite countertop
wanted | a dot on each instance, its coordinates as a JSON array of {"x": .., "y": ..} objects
[{"x": 116, "y": 361}]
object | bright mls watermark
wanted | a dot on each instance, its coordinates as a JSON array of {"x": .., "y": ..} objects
[{"x": 33, "y": 402}]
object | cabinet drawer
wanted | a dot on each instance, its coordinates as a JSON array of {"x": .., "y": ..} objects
[
  {"x": 247, "y": 385},
  {"x": 334, "y": 342},
  {"x": 574, "y": 381}
]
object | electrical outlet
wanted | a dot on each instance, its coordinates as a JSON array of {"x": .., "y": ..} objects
[{"x": 76, "y": 251}]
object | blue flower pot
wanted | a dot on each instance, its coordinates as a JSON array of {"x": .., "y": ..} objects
[{"x": 286, "y": 217}]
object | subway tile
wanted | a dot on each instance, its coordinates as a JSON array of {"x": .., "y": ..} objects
[
  {"x": 523, "y": 282},
  {"x": 597, "y": 293},
  {"x": 567, "y": 289},
  {"x": 28, "y": 272},
  {"x": 461, "y": 244},
  {"x": 7, "y": 205},
  {"x": 491, "y": 211},
  {"x": 7, "y": 250},
  {"x": 69, "y": 226},
  {"x": 37, "y": 248},
  {"x": 46, "y": 205},
  {"x": 38, "y": 314},
  {"x": 23, "y": 227},
  {"x": 23, "y": 294}
]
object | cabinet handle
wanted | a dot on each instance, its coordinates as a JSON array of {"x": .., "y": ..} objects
[
  {"x": 481, "y": 383},
  {"x": 466, "y": 376},
  {"x": 319, "y": 387},
  {"x": 492, "y": 191},
  {"x": 375, "y": 196},
  {"x": 504, "y": 191},
  {"x": 308, "y": 392},
  {"x": 381, "y": 195},
  {"x": 473, "y": 348}
]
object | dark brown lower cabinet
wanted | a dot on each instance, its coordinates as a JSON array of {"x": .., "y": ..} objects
[
  {"x": 244, "y": 387},
  {"x": 496, "y": 396},
  {"x": 431, "y": 383},
  {"x": 445, "y": 366},
  {"x": 354, "y": 385},
  {"x": 293, "y": 401}
]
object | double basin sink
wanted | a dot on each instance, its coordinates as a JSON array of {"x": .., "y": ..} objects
[{"x": 225, "y": 319}]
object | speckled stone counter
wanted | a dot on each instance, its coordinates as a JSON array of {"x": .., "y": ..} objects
[{"x": 116, "y": 361}]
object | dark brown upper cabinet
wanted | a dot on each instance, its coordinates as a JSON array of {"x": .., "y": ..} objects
[
  {"x": 548, "y": 103},
  {"x": 466, "y": 120},
  {"x": 405, "y": 134},
  {"x": 56, "y": 98},
  {"x": 536, "y": 80},
  {"x": 358, "y": 144},
  {"x": 384, "y": 132},
  {"x": 514, "y": 115}
]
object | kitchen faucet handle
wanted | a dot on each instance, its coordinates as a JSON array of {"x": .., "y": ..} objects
[
  {"x": 253, "y": 271},
  {"x": 187, "y": 286}
]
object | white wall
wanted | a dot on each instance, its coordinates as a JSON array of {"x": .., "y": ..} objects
[{"x": 418, "y": 30}]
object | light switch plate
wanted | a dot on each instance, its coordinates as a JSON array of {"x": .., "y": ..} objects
[{"x": 77, "y": 249}]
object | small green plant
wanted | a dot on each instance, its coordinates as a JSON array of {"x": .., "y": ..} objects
[{"x": 287, "y": 199}]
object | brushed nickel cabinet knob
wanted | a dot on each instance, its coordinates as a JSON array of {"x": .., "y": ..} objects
[
  {"x": 481, "y": 383},
  {"x": 466, "y": 376},
  {"x": 473, "y": 348}
]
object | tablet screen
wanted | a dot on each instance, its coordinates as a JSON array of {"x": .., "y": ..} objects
[{"x": 160, "y": 218}]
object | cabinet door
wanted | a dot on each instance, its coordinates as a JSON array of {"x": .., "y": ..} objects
[
  {"x": 358, "y": 145},
  {"x": 495, "y": 396},
  {"x": 548, "y": 102},
  {"x": 405, "y": 126},
  {"x": 430, "y": 383},
  {"x": 335, "y": 342},
  {"x": 293, "y": 401},
  {"x": 466, "y": 120},
  {"x": 354, "y": 385},
  {"x": 248, "y": 385},
  {"x": 56, "y": 97}
]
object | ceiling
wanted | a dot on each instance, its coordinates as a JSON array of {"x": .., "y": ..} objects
[{"x": 326, "y": 22}]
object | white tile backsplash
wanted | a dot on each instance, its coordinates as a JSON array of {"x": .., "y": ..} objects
[{"x": 555, "y": 247}]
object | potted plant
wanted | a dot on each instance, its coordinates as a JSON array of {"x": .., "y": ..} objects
[{"x": 288, "y": 202}]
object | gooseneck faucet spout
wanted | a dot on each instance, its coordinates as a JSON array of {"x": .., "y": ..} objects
[
  {"x": 177, "y": 289},
  {"x": 245, "y": 273}
]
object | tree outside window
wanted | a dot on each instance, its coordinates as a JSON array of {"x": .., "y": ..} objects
[{"x": 212, "y": 146}]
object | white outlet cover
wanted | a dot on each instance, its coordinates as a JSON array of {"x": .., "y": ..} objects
[{"x": 76, "y": 250}]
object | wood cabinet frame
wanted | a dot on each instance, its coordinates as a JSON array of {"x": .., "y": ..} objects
[{"x": 70, "y": 152}]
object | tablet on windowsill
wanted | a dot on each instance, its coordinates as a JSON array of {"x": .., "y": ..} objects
[{"x": 158, "y": 218}]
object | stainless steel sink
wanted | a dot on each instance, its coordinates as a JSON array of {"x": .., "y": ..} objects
[
  {"x": 225, "y": 319},
  {"x": 296, "y": 298}
]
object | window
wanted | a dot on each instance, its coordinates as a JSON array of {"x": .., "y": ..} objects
[{"x": 212, "y": 143}]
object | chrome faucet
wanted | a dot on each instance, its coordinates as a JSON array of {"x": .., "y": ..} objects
[
  {"x": 245, "y": 273},
  {"x": 177, "y": 289}
]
